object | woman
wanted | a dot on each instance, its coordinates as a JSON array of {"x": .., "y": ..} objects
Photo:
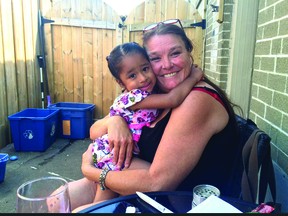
[
  {"x": 194, "y": 143},
  {"x": 138, "y": 104}
]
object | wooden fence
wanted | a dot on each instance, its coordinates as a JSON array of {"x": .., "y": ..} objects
[
  {"x": 19, "y": 73},
  {"x": 76, "y": 45}
]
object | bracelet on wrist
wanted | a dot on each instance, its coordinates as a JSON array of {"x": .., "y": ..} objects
[{"x": 102, "y": 178}]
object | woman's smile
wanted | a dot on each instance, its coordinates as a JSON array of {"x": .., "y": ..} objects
[{"x": 169, "y": 75}]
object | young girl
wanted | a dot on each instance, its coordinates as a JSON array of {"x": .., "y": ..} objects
[{"x": 130, "y": 66}]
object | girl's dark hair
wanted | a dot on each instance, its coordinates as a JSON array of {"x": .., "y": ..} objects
[
  {"x": 116, "y": 56},
  {"x": 179, "y": 32}
]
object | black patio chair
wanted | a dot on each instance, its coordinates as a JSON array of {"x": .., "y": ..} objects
[{"x": 258, "y": 171}]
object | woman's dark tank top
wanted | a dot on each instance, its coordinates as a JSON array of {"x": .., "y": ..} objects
[{"x": 215, "y": 166}]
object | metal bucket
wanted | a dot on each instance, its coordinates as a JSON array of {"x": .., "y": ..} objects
[{"x": 202, "y": 192}]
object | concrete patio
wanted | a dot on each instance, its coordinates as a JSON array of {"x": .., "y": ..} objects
[{"x": 62, "y": 158}]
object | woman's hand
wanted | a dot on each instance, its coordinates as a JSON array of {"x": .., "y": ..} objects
[
  {"x": 119, "y": 135},
  {"x": 120, "y": 139}
]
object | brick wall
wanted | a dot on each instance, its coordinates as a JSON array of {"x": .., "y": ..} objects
[
  {"x": 269, "y": 101},
  {"x": 217, "y": 44},
  {"x": 269, "y": 93}
]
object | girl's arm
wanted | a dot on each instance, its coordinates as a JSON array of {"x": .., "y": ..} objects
[{"x": 173, "y": 98}]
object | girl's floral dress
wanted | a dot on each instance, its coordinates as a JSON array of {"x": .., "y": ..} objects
[{"x": 136, "y": 120}]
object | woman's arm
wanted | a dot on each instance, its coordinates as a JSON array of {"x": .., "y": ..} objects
[
  {"x": 173, "y": 98},
  {"x": 190, "y": 127}
]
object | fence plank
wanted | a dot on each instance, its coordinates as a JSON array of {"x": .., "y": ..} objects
[
  {"x": 98, "y": 58},
  {"x": 87, "y": 10},
  {"x": 45, "y": 6},
  {"x": 3, "y": 105},
  {"x": 97, "y": 11},
  {"x": 137, "y": 15},
  {"x": 150, "y": 11},
  {"x": 57, "y": 60},
  {"x": 36, "y": 50},
  {"x": 56, "y": 8},
  {"x": 67, "y": 52},
  {"x": 67, "y": 64},
  {"x": 181, "y": 10},
  {"x": 20, "y": 53},
  {"x": 77, "y": 64},
  {"x": 161, "y": 15},
  {"x": 30, "y": 56},
  {"x": 88, "y": 64},
  {"x": 171, "y": 14},
  {"x": 108, "y": 82},
  {"x": 66, "y": 10},
  {"x": 9, "y": 56}
]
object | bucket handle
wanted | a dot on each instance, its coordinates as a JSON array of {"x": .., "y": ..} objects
[{"x": 5, "y": 158}]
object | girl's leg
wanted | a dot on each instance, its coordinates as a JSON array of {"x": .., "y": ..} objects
[
  {"x": 138, "y": 163},
  {"x": 84, "y": 207},
  {"x": 102, "y": 195},
  {"x": 90, "y": 201},
  {"x": 81, "y": 192}
]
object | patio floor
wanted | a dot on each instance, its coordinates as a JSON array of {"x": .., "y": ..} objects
[{"x": 62, "y": 158}]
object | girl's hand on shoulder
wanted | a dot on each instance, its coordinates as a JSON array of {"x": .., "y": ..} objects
[{"x": 196, "y": 72}]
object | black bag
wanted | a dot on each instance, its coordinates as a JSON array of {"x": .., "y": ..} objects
[{"x": 258, "y": 170}]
